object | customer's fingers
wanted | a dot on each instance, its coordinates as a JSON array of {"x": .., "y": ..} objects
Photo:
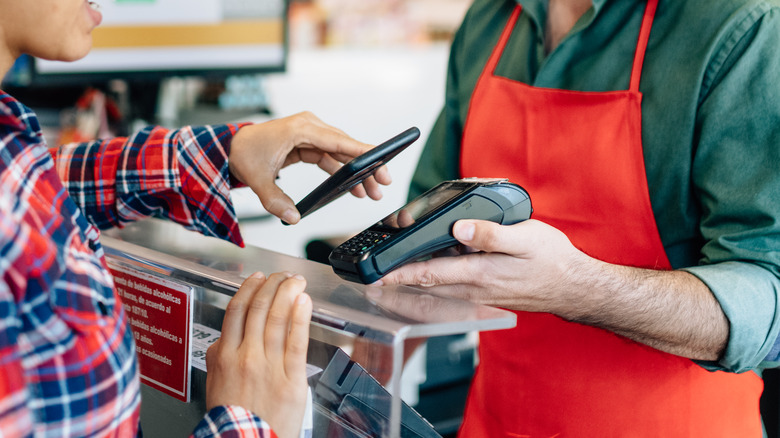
[
  {"x": 259, "y": 311},
  {"x": 236, "y": 311},
  {"x": 279, "y": 318},
  {"x": 298, "y": 338}
]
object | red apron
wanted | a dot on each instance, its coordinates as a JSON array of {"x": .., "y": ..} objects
[{"x": 579, "y": 154}]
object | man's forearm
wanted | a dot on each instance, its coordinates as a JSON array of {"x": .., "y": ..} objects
[{"x": 672, "y": 311}]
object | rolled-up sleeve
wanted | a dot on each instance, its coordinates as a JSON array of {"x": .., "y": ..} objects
[
  {"x": 748, "y": 294},
  {"x": 736, "y": 177}
]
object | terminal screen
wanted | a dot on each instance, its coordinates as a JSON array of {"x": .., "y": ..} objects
[{"x": 420, "y": 206}]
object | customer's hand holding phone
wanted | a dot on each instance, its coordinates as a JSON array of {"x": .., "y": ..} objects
[{"x": 258, "y": 152}]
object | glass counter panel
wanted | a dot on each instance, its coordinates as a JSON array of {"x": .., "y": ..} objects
[{"x": 360, "y": 335}]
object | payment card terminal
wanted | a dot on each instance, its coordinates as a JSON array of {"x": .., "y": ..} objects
[{"x": 424, "y": 226}]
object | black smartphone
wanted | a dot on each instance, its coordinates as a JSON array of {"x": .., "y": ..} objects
[{"x": 354, "y": 172}]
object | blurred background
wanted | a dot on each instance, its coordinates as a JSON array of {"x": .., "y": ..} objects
[{"x": 372, "y": 68}]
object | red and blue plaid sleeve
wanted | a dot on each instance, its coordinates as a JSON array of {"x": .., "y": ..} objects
[
  {"x": 15, "y": 417},
  {"x": 232, "y": 422},
  {"x": 181, "y": 175}
]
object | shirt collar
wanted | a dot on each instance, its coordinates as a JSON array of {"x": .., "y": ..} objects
[
  {"x": 11, "y": 112},
  {"x": 18, "y": 117},
  {"x": 537, "y": 9},
  {"x": 597, "y": 4}
]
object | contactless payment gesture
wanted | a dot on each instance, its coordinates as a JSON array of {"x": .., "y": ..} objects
[
  {"x": 354, "y": 172},
  {"x": 424, "y": 226}
]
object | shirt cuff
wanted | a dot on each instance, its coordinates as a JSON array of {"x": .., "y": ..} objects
[
  {"x": 206, "y": 179},
  {"x": 748, "y": 295},
  {"x": 232, "y": 422}
]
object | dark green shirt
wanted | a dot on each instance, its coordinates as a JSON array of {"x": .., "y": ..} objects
[{"x": 710, "y": 130}]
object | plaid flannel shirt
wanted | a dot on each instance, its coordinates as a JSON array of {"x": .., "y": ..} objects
[{"x": 67, "y": 357}]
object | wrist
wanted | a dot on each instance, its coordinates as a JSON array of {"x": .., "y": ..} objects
[
  {"x": 585, "y": 280},
  {"x": 231, "y": 146}
]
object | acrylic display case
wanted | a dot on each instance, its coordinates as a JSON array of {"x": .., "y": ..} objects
[{"x": 175, "y": 285}]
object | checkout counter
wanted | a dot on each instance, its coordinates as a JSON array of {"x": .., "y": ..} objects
[{"x": 176, "y": 283}]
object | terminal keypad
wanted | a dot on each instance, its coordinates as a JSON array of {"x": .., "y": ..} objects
[{"x": 363, "y": 242}]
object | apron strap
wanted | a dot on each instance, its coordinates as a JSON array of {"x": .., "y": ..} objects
[
  {"x": 641, "y": 48},
  {"x": 499, "y": 49}
]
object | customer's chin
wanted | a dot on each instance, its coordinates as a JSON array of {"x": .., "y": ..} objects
[{"x": 73, "y": 52}]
